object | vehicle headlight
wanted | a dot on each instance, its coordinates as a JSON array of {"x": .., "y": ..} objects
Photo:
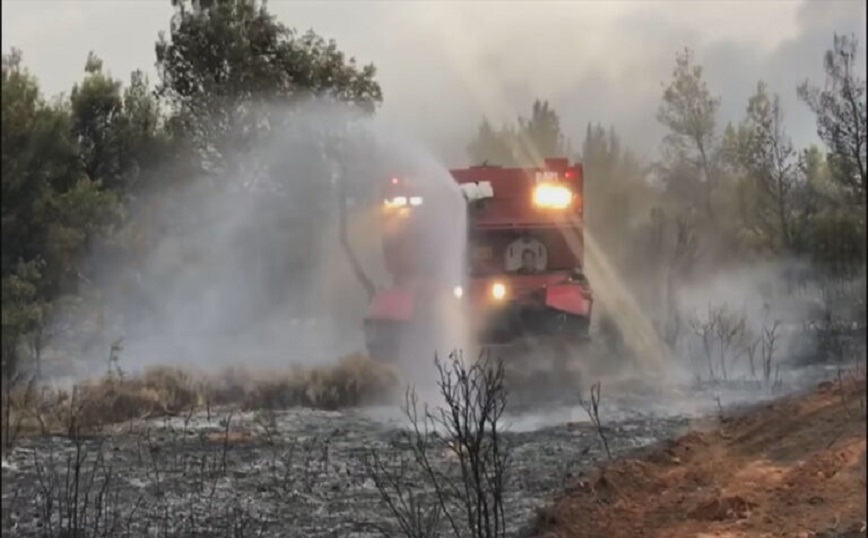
[
  {"x": 402, "y": 201},
  {"x": 498, "y": 291},
  {"x": 397, "y": 201},
  {"x": 458, "y": 292},
  {"x": 552, "y": 196}
]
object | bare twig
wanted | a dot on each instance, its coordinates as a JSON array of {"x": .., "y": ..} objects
[
  {"x": 592, "y": 407},
  {"x": 769, "y": 338},
  {"x": 468, "y": 427}
]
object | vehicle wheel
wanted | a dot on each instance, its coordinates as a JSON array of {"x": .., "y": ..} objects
[
  {"x": 383, "y": 341},
  {"x": 611, "y": 333},
  {"x": 560, "y": 353}
]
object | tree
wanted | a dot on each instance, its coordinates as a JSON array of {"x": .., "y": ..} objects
[
  {"x": 614, "y": 182},
  {"x": 540, "y": 134},
  {"x": 147, "y": 142},
  {"x": 231, "y": 73},
  {"x": 73, "y": 220},
  {"x": 342, "y": 150},
  {"x": 40, "y": 163},
  {"x": 23, "y": 312},
  {"x": 770, "y": 171},
  {"x": 689, "y": 112},
  {"x": 52, "y": 209},
  {"x": 828, "y": 230},
  {"x": 227, "y": 63},
  {"x": 841, "y": 117},
  {"x": 123, "y": 150},
  {"x": 525, "y": 144},
  {"x": 492, "y": 145},
  {"x": 97, "y": 118}
]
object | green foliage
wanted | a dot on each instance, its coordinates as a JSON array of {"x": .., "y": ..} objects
[
  {"x": 836, "y": 240},
  {"x": 841, "y": 117},
  {"x": 766, "y": 168},
  {"x": 761, "y": 196},
  {"x": 615, "y": 183},
  {"x": 688, "y": 109},
  {"x": 226, "y": 64},
  {"x": 492, "y": 146},
  {"x": 23, "y": 312},
  {"x": 838, "y": 234},
  {"x": 81, "y": 172},
  {"x": 691, "y": 147},
  {"x": 119, "y": 131},
  {"x": 39, "y": 160},
  {"x": 73, "y": 219},
  {"x": 97, "y": 114},
  {"x": 525, "y": 144},
  {"x": 52, "y": 209},
  {"x": 540, "y": 134}
]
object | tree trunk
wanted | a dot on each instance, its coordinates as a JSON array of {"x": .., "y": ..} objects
[
  {"x": 783, "y": 217},
  {"x": 358, "y": 270},
  {"x": 710, "y": 182}
]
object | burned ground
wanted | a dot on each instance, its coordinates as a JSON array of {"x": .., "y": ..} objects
[
  {"x": 304, "y": 472},
  {"x": 292, "y": 473}
]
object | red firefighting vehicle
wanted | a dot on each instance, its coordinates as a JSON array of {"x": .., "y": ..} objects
[{"x": 522, "y": 283}]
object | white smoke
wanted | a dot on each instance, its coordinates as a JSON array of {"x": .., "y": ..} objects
[{"x": 247, "y": 268}]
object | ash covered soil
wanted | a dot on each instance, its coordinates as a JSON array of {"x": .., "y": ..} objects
[{"x": 305, "y": 472}]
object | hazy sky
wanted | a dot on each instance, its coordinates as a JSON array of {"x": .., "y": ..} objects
[{"x": 443, "y": 64}]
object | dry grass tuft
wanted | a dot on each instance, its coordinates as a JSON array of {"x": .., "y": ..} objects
[
  {"x": 168, "y": 391},
  {"x": 110, "y": 399},
  {"x": 158, "y": 391},
  {"x": 354, "y": 380}
]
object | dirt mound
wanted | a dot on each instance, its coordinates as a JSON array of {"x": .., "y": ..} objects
[{"x": 795, "y": 467}]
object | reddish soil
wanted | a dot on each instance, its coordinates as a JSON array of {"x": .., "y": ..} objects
[{"x": 792, "y": 468}]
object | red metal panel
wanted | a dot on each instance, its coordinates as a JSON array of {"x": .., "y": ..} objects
[
  {"x": 393, "y": 305},
  {"x": 518, "y": 287},
  {"x": 512, "y": 205},
  {"x": 569, "y": 298}
]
